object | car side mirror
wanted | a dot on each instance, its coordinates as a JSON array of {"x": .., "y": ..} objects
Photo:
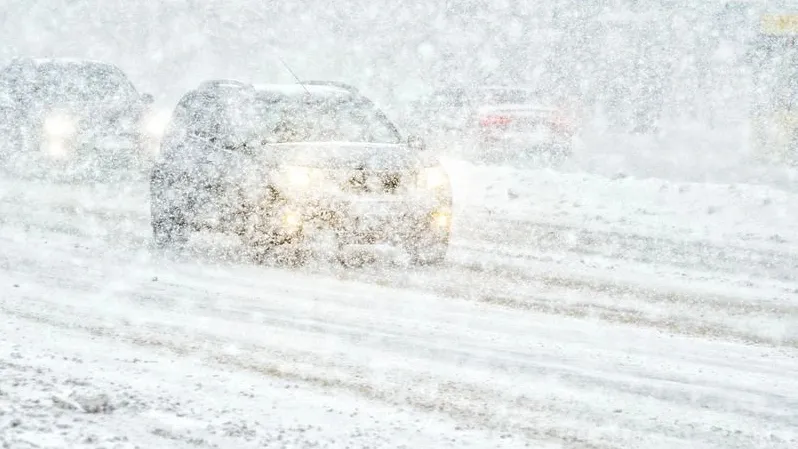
[
  {"x": 416, "y": 143},
  {"x": 148, "y": 99}
]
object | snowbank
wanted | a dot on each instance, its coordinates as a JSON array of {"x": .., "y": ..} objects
[{"x": 739, "y": 214}]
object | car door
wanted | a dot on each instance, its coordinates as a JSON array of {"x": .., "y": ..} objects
[
  {"x": 181, "y": 178},
  {"x": 233, "y": 168},
  {"x": 211, "y": 134}
]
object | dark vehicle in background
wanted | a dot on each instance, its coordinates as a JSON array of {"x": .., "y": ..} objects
[
  {"x": 499, "y": 122},
  {"x": 291, "y": 167},
  {"x": 66, "y": 113}
]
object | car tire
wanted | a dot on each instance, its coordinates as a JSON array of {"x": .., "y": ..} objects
[{"x": 169, "y": 229}]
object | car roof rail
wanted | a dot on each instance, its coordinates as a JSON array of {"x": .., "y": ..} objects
[
  {"x": 347, "y": 87},
  {"x": 212, "y": 84}
]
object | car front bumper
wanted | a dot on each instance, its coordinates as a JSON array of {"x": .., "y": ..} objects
[{"x": 367, "y": 220}]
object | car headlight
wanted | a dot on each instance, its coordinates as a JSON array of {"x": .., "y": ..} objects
[
  {"x": 291, "y": 219},
  {"x": 433, "y": 178},
  {"x": 59, "y": 125},
  {"x": 442, "y": 219},
  {"x": 302, "y": 177},
  {"x": 155, "y": 123}
]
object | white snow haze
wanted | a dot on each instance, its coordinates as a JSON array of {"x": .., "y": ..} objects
[{"x": 590, "y": 238}]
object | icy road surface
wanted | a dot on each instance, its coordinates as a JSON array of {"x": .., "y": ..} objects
[{"x": 575, "y": 311}]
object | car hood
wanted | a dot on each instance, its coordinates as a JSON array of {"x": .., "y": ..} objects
[{"x": 343, "y": 155}]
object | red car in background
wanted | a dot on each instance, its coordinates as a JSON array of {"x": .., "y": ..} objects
[{"x": 500, "y": 122}]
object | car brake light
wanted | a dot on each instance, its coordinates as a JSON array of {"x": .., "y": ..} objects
[{"x": 495, "y": 120}]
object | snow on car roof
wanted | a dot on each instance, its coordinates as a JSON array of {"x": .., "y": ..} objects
[{"x": 296, "y": 89}]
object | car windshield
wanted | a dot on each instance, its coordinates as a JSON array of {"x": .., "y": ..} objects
[
  {"x": 80, "y": 82},
  {"x": 329, "y": 120}
]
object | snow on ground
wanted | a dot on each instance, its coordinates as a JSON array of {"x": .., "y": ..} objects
[
  {"x": 533, "y": 376},
  {"x": 61, "y": 389},
  {"x": 745, "y": 215},
  {"x": 575, "y": 310}
]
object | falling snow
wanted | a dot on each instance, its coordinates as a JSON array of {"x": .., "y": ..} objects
[{"x": 398, "y": 224}]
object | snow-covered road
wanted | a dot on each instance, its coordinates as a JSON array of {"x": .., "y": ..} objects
[{"x": 575, "y": 311}]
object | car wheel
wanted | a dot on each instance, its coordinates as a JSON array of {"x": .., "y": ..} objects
[{"x": 169, "y": 229}]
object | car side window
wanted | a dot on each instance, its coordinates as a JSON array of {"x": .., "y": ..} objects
[{"x": 206, "y": 118}]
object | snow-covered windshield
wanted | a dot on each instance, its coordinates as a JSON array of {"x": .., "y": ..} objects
[{"x": 324, "y": 121}]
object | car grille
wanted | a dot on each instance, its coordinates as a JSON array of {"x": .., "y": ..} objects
[{"x": 365, "y": 182}]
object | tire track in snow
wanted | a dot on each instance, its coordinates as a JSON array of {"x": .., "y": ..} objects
[
  {"x": 499, "y": 284},
  {"x": 510, "y": 235},
  {"x": 496, "y": 282},
  {"x": 469, "y": 402}
]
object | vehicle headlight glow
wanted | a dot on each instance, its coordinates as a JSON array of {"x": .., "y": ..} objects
[
  {"x": 292, "y": 219},
  {"x": 155, "y": 123},
  {"x": 441, "y": 219},
  {"x": 433, "y": 178},
  {"x": 59, "y": 125},
  {"x": 302, "y": 177}
]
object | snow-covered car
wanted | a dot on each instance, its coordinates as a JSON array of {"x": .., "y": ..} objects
[
  {"x": 287, "y": 167},
  {"x": 501, "y": 122},
  {"x": 63, "y": 112}
]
